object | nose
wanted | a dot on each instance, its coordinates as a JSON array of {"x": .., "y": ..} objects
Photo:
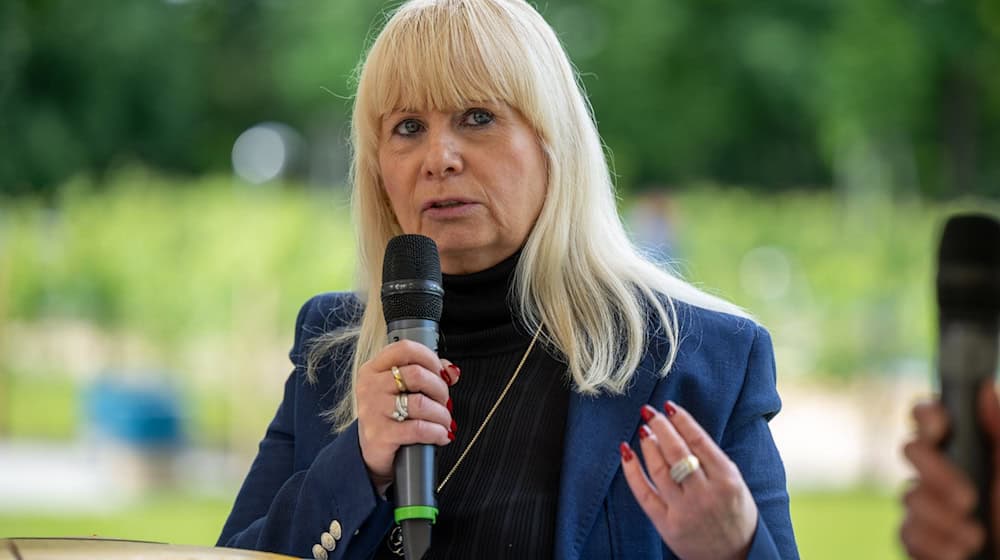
[{"x": 443, "y": 157}]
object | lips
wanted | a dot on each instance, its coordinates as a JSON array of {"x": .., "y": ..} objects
[{"x": 444, "y": 203}]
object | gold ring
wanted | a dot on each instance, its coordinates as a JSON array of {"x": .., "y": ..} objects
[{"x": 398, "y": 377}]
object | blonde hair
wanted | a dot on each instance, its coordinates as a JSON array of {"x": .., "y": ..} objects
[{"x": 578, "y": 273}]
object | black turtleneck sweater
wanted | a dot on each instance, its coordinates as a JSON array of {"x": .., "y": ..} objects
[{"x": 501, "y": 502}]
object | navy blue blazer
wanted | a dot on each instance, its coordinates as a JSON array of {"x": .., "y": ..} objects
[{"x": 306, "y": 478}]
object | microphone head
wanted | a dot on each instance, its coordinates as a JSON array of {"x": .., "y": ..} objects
[
  {"x": 968, "y": 279},
  {"x": 411, "y": 279}
]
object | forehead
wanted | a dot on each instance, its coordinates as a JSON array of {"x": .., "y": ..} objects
[
  {"x": 441, "y": 60},
  {"x": 432, "y": 87}
]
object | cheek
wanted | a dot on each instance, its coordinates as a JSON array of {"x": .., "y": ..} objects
[
  {"x": 536, "y": 179},
  {"x": 390, "y": 179}
]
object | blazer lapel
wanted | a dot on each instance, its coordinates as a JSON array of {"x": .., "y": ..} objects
[{"x": 594, "y": 429}]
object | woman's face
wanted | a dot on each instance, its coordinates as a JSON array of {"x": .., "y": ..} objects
[{"x": 473, "y": 180}]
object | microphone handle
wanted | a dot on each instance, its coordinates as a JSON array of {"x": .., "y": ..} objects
[
  {"x": 415, "y": 478},
  {"x": 414, "y": 466},
  {"x": 968, "y": 359}
]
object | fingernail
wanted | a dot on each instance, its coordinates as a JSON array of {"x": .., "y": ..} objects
[
  {"x": 451, "y": 436},
  {"x": 454, "y": 426},
  {"x": 444, "y": 376},
  {"x": 449, "y": 405},
  {"x": 644, "y": 432},
  {"x": 668, "y": 407},
  {"x": 455, "y": 373},
  {"x": 626, "y": 451},
  {"x": 647, "y": 413}
]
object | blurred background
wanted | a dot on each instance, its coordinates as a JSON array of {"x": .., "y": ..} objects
[{"x": 172, "y": 188}]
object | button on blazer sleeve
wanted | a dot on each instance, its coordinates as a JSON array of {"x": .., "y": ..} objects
[{"x": 304, "y": 476}]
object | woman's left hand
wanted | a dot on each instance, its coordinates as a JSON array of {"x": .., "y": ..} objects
[{"x": 710, "y": 513}]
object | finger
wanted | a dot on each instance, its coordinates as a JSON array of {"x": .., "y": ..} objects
[
  {"x": 670, "y": 444},
  {"x": 923, "y": 541},
  {"x": 989, "y": 410},
  {"x": 421, "y": 407},
  {"x": 657, "y": 468},
  {"x": 450, "y": 372},
  {"x": 989, "y": 414},
  {"x": 931, "y": 420},
  {"x": 920, "y": 544},
  {"x": 928, "y": 512},
  {"x": 712, "y": 459},
  {"x": 423, "y": 431},
  {"x": 419, "y": 380},
  {"x": 405, "y": 352},
  {"x": 941, "y": 476},
  {"x": 673, "y": 448},
  {"x": 645, "y": 493}
]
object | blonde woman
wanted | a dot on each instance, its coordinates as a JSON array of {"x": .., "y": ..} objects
[{"x": 562, "y": 349}]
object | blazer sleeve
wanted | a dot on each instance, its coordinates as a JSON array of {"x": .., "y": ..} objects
[
  {"x": 285, "y": 509},
  {"x": 747, "y": 441}
]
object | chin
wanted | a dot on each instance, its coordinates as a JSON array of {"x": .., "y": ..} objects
[{"x": 459, "y": 241}]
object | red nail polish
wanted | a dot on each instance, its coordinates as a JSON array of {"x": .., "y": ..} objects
[
  {"x": 668, "y": 407},
  {"x": 444, "y": 376},
  {"x": 449, "y": 405},
  {"x": 626, "y": 452},
  {"x": 647, "y": 413},
  {"x": 644, "y": 432},
  {"x": 454, "y": 426},
  {"x": 455, "y": 372},
  {"x": 451, "y": 436}
]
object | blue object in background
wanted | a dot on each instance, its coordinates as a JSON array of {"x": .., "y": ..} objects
[{"x": 144, "y": 414}]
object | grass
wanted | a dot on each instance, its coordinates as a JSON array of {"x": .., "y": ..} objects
[
  {"x": 175, "y": 519},
  {"x": 41, "y": 406},
  {"x": 857, "y": 524}
]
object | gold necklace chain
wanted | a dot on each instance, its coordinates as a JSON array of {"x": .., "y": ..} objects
[{"x": 489, "y": 415}]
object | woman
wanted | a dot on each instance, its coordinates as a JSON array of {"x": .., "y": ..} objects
[
  {"x": 940, "y": 506},
  {"x": 469, "y": 127}
]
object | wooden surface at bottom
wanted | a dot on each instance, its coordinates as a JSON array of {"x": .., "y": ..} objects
[{"x": 112, "y": 549}]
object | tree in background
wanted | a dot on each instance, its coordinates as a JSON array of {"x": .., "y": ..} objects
[{"x": 862, "y": 94}]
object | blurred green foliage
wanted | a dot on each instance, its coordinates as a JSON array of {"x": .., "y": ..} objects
[
  {"x": 844, "y": 285},
  {"x": 167, "y": 260},
  {"x": 789, "y": 94}
]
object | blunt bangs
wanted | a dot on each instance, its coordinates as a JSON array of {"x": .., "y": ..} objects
[{"x": 445, "y": 55}]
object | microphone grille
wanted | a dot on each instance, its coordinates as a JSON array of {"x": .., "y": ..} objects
[
  {"x": 968, "y": 278},
  {"x": 411, "y": 258}
]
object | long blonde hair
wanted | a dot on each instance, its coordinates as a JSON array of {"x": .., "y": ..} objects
[{"x": 578, "y": 274}]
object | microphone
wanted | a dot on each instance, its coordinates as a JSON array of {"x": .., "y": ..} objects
[
  {"x": 412, "y": 298},
  {"x": 968, "y": 294}
]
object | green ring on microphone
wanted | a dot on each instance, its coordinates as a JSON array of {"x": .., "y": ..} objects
[{"x": 416, "y": 512}]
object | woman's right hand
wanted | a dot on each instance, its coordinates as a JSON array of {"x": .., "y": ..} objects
[
  {"x": 429, "y": 420},
  {"x": 939, "y": 507}
]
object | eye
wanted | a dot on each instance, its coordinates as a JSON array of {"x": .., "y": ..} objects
[
  {"x": 478, "y": 117},
  {"x": 408, "y": 127}
]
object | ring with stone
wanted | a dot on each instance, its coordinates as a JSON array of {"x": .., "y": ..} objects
[
  {"x": 683, "y": 468},
  {"x": 402, "y": 410}
]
